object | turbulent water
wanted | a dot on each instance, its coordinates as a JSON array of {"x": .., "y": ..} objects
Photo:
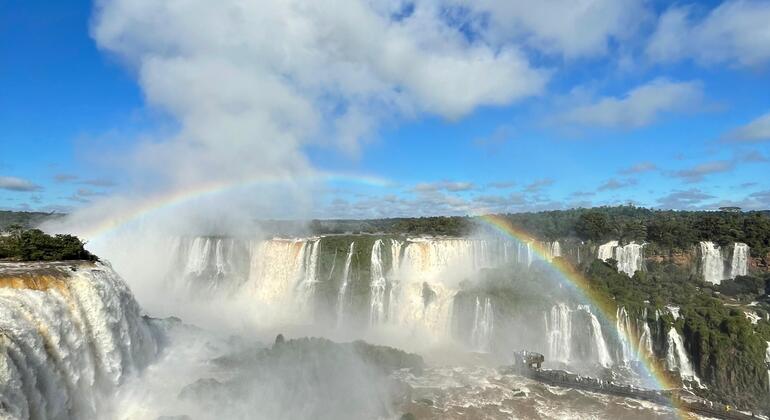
[
  {"x": 420, "y": 292},
  {"x": 70, "y": 335}
]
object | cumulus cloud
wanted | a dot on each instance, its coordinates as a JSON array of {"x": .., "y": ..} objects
[
  {"x": 735, "y": 32},
  {"x": 10, "y": 183},
  {"x": 755, "y": 131},
  {"x": 639, "y": 107},
  {"x": 259, "y": 80}
]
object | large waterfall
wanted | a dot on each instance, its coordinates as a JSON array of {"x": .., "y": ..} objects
[
  {"x": 566, "y": 334},
  {"x": 69, "y": 333},
  {"x": 378, "y": 284},
  {"x": 676, "y": 356},
  {"x": 629, "y": 257},
  {"x": 483, "y": 325},
  {"x": 739, "y": 266},
  {"x": 559, "y": 332},
  {"x": 712, "y": 264},
  {"x": 343, "y": 292}
]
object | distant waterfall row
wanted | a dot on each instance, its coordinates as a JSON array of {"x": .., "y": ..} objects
[
  {"x": 718, "y": 264},
  {"x": 68, "y": 334}
]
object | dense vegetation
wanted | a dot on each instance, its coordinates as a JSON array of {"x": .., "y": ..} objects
[
  {"x": 727, "y": 350},
  {"x": 665, "y": 228},
  {"x": 20, "y": 244}
]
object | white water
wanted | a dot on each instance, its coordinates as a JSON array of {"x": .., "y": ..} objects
[
  {"x": 483, "y": 325},
  {"x": 601, "y": 352},
  {"x": 377, "y": 285},
  {"x": 712, "y": 263},
  {"x": 428, "y": 279},
  {"x": 395, "y": 284},
  {"x": 623, "y": 325},
  {"x": 342, "y": 294},
  {"x": 676, "y": 357},
  {"x": 559, "y": 330},
  {"x": 645, "y": 340},
  {"x": 555, "y": 249},
  {"x": 66, "y": 347},
  {"x": 629, "y": 257},
  {"x": 739, "y": 266},
  {"x": 605, "y": 251}
]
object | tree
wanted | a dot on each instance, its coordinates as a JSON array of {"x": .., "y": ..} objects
[{"x": 593, "y": 225}]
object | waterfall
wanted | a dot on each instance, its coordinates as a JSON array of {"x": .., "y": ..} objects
[
  {"x": 623, "y": 325},
  {"x": 740, "y": 261},
  {"x": 483, "y": 325},
  {"x": 601, "y": 352},
  {"x": 307, "y": 283},
  {"x": 605, "y": 251},
  {"x": 377, "y": 285},
  {"x": 629, "y": 257},
  {"x": 555, "y": 249},
  {"x": 209, "y": 264},
  {"x": 645, "y": 340},
  {"x": 395, "y": 267},
  {"x": 712, "y": 263},
  {"x": 69, "y": 337},
  {"x": 559, "y": 329},
  {"x": 676, "y": 357},
  {"x": 278, "y": 267},
  {"x": 344, "y": 286}
]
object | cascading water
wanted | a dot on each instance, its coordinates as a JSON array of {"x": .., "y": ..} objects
[
  {"x": 342, "y": 295},
  {"x": 70, "y": 335},
  {"x": 559, "y": 330},
  {"x": 629, "y": 257},
  {"x": 306, "y": 286},
  {"x": 377, "y": 285},
  {"x": 605, "y": 251},
  {"x": 712, "y": 263},
  {"x": 483, "y": 325},
  {"x": 395, "y": 284},
  {"x": 676, "y": 357},
  {"x": 555, "y": 249},
  {"x": 601, "y": 352},
  {"x": 623, "y": 325},
  {"x": 739, "y": 266}
]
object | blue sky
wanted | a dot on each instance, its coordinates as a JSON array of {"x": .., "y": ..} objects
[{"x": 498, "y": 109}]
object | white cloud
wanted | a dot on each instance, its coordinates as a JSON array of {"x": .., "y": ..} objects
[
  {"x": 641, "y": 106},
  {"x": 756, "y": 131},
  {"x": 252, "y": 82},
  {"x": 736, "y": 32},
  {"x": 11, "y": 183},
  {"x": 566, "y": 27}
]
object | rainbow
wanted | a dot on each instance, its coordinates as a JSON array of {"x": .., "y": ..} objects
[
  {"x": 577, "y": 282},
  {"x": 176, "y": 198}
]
